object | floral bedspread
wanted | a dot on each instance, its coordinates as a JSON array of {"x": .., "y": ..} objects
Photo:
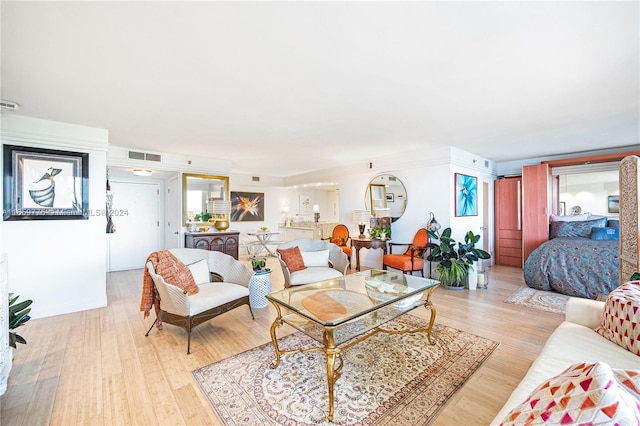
[{"x": 574, "y": 266}]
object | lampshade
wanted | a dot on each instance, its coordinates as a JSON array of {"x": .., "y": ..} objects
[
  {"x": 361, "y": 216},
  {"x": 383, "y": 212},
  {"x": 432, "y": 224},
  {"x": 221, "y": 207}
]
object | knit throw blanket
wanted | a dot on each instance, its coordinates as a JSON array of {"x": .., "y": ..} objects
[{"x": 173, "y": 271}]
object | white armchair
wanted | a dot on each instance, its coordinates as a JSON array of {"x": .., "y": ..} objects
[
  {"x": 224, "y": 287},
  {"x": 335, "y": 266}
]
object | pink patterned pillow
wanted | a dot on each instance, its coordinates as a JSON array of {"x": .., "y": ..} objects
[
  {"x": 621, "y": 317},
  {"x": 582, "y": 394}
]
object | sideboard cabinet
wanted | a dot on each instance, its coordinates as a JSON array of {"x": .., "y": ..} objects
[{"x": 225, "y": 242}]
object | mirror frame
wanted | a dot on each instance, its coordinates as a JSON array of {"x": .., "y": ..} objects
[
  {"x": 368, "y": 196},
  {"x": 185, "y": 176}
]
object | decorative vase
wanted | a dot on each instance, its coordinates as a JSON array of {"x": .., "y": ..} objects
[{"x": 472, "y": 278}]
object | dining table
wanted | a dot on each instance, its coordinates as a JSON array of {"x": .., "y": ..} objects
[{"x": 263, "y": 239}]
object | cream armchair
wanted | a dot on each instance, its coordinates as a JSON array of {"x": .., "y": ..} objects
[
  {"x": 335, "y": 265},
  {"x": 224, "y": 285}
]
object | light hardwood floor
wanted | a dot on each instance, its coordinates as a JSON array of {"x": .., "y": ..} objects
[{"x": 97, "y": 368}]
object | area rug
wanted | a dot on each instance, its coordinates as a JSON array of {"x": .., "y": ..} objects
[
  {"x": 386, "y": 379},
  {"x": 549, "y": 301}
]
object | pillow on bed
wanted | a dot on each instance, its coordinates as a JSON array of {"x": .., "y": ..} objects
[
  {"x": 575, "y": 229},
  {"x": 606, "y": 233},
  {"x": 613, "y": 223},
  {"x": 572, "y": 218}
]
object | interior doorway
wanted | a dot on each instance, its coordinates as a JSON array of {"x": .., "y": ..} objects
[{"x": 136, "y": 207}]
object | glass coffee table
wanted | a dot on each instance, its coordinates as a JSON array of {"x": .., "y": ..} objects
[{"x": 342, "y": 312}]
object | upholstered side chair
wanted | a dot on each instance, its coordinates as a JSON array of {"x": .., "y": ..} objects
[
  {"x": 412, "y": 256},
  {"x": 313, "y": 261},
  {"x": 223, "y": 285},
  {"x": 340, "y": 237}
]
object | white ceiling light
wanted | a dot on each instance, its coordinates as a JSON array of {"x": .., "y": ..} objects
[{"x": 142, "y": 172}]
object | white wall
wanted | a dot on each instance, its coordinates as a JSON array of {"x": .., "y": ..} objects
[{"x": 59, "y": 264}]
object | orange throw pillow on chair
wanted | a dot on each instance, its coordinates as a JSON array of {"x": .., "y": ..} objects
[{"x": 292, "y": 258}]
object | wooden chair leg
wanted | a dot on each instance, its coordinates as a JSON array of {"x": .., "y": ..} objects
[{"x": 154, "y": 323}]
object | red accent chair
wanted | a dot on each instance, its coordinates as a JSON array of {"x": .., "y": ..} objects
[
  {"x": 412, "y": 259},
  {"x": 340, "y": 237}
]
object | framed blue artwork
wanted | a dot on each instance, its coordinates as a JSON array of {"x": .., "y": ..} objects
[{"x": 466, "y": 195}]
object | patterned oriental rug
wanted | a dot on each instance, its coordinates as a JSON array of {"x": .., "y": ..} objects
[
  {"x": 549, "y": 301},
  {"x": 386, "y": 380}
]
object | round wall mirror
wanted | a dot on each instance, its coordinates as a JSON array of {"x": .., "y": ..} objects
[{"x": 386, "y": 196}]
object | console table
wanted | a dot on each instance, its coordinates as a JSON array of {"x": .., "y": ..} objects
[
  {"x": 225, "y": 242},
  {"x": 358, "y": 243}
]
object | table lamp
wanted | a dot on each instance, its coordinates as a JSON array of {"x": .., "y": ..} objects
[
  {"x": 361, "y": 217},
  {"x": 222, "y": 209},
  {"x": 316, "y": 213}
]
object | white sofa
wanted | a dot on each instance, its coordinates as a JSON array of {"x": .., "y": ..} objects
[
  {"x": 334, "y": 266},
  {"x": 223, "y": 284},
  {"x": 572, "y": 342}
]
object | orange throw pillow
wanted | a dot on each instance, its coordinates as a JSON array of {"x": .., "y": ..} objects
[{"x": 292, "y": 258}]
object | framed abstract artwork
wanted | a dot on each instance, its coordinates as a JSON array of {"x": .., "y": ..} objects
[
  {"x": 613, "y": 204},
  {"x": 305, "y": 207},
  {"x": 466, "y": 195},
  {"x": 247, "y": 206},
  {"x": 42, "y": 184}
]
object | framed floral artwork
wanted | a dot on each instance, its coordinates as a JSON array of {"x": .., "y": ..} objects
[
  {"x": 466, "y": 195},
  {"x": 247, "y": 206},
  {"x": 42, "y": 184}
]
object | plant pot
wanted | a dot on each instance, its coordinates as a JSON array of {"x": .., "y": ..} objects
[{"x": 453, "y": 287}]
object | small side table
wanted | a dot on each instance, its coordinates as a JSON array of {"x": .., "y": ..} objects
[
  {"x": 259, "y": 287},
  {"x": 358, "y": 243}
]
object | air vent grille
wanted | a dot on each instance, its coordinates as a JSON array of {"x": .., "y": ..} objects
[
  {"x": 255, "y": 178},
  {"x": 9, "y": 105},
  {"x": 135, "y": 155}
]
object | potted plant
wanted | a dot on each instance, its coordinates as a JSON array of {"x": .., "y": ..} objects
[
  {"x": 380, "y": 233},
  {"x": 455, "y": 259},
  {"x": 18, "y": 315}
]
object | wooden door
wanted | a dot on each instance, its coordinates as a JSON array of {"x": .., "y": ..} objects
[
  {"x": 508, "y": 208},
  {"x": 536, "y": 202}
]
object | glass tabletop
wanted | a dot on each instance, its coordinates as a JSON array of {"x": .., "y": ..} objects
[{"x": 340, "y": 300}]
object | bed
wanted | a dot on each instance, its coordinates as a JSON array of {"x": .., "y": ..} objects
[{"x": 580, "y": 259}]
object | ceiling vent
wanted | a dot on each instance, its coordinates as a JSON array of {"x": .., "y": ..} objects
[
  {"x": 134, "y": 155},
  {"x": 9, "y": 105}
]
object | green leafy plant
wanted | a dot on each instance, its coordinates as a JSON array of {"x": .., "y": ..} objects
[
  {"x": 377, "y": 231},
  {"x": 204, "y": 216},
  {"x": 18, "y": 315},
  {"x": 455, "y": 259}
]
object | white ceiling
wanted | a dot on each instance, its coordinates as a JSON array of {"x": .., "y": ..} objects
[{"x": 283, "y": 88}]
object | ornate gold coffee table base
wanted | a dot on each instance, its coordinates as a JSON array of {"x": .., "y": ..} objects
[{"x": 333, "y": 351}]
